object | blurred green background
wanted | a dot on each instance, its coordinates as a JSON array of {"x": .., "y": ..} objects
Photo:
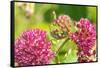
[{"x": 41, "y": 17}]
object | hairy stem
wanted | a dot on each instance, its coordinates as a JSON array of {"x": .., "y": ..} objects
[{"x": 58, "y": 50}]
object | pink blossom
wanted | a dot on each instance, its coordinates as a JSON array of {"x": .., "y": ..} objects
[
  {"x": 63, "y": 22},
  {"x": 85, "y": 38},
  {"x": 32, "y": 48}
]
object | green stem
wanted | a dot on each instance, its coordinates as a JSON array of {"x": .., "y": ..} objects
[
  {"x": 60, "y": 47},
  {"x": 66, "y": 54},
  {"x": 54, "y": 14}
]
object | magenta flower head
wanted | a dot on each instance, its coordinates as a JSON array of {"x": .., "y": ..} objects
[
  {"x": 32, "y": 48},
  {"x": 62, "y": 27},
  {"x": 85, "y": 38},
  {"x": 63, "y": 22}
]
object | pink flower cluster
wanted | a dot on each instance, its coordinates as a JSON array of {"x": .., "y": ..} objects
[
  {"x": 32, "y": 48},
  {"x": 85, "y": 37},
  {"x": 63, "y": 22}
]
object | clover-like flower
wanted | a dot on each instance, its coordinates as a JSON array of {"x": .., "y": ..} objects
[
  {"x": 85, "y": 38},
  {"x": 62, "y": 24},
  {"x": 33, "y": 48}
]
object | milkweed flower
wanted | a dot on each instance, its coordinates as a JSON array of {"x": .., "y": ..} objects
[
  {"x": 85, "y": 38},
  {"x": 33, "y": 48},
  {"x": 63, "y": 26},
  {"x": 63, "y": 22}
]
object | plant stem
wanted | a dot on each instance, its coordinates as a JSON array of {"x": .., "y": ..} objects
[
  {"x": 54, "y": 14},
  {"x": 60, "y": 47}
]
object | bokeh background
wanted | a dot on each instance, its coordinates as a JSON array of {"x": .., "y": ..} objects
[{"x": 39, "y": 15}]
